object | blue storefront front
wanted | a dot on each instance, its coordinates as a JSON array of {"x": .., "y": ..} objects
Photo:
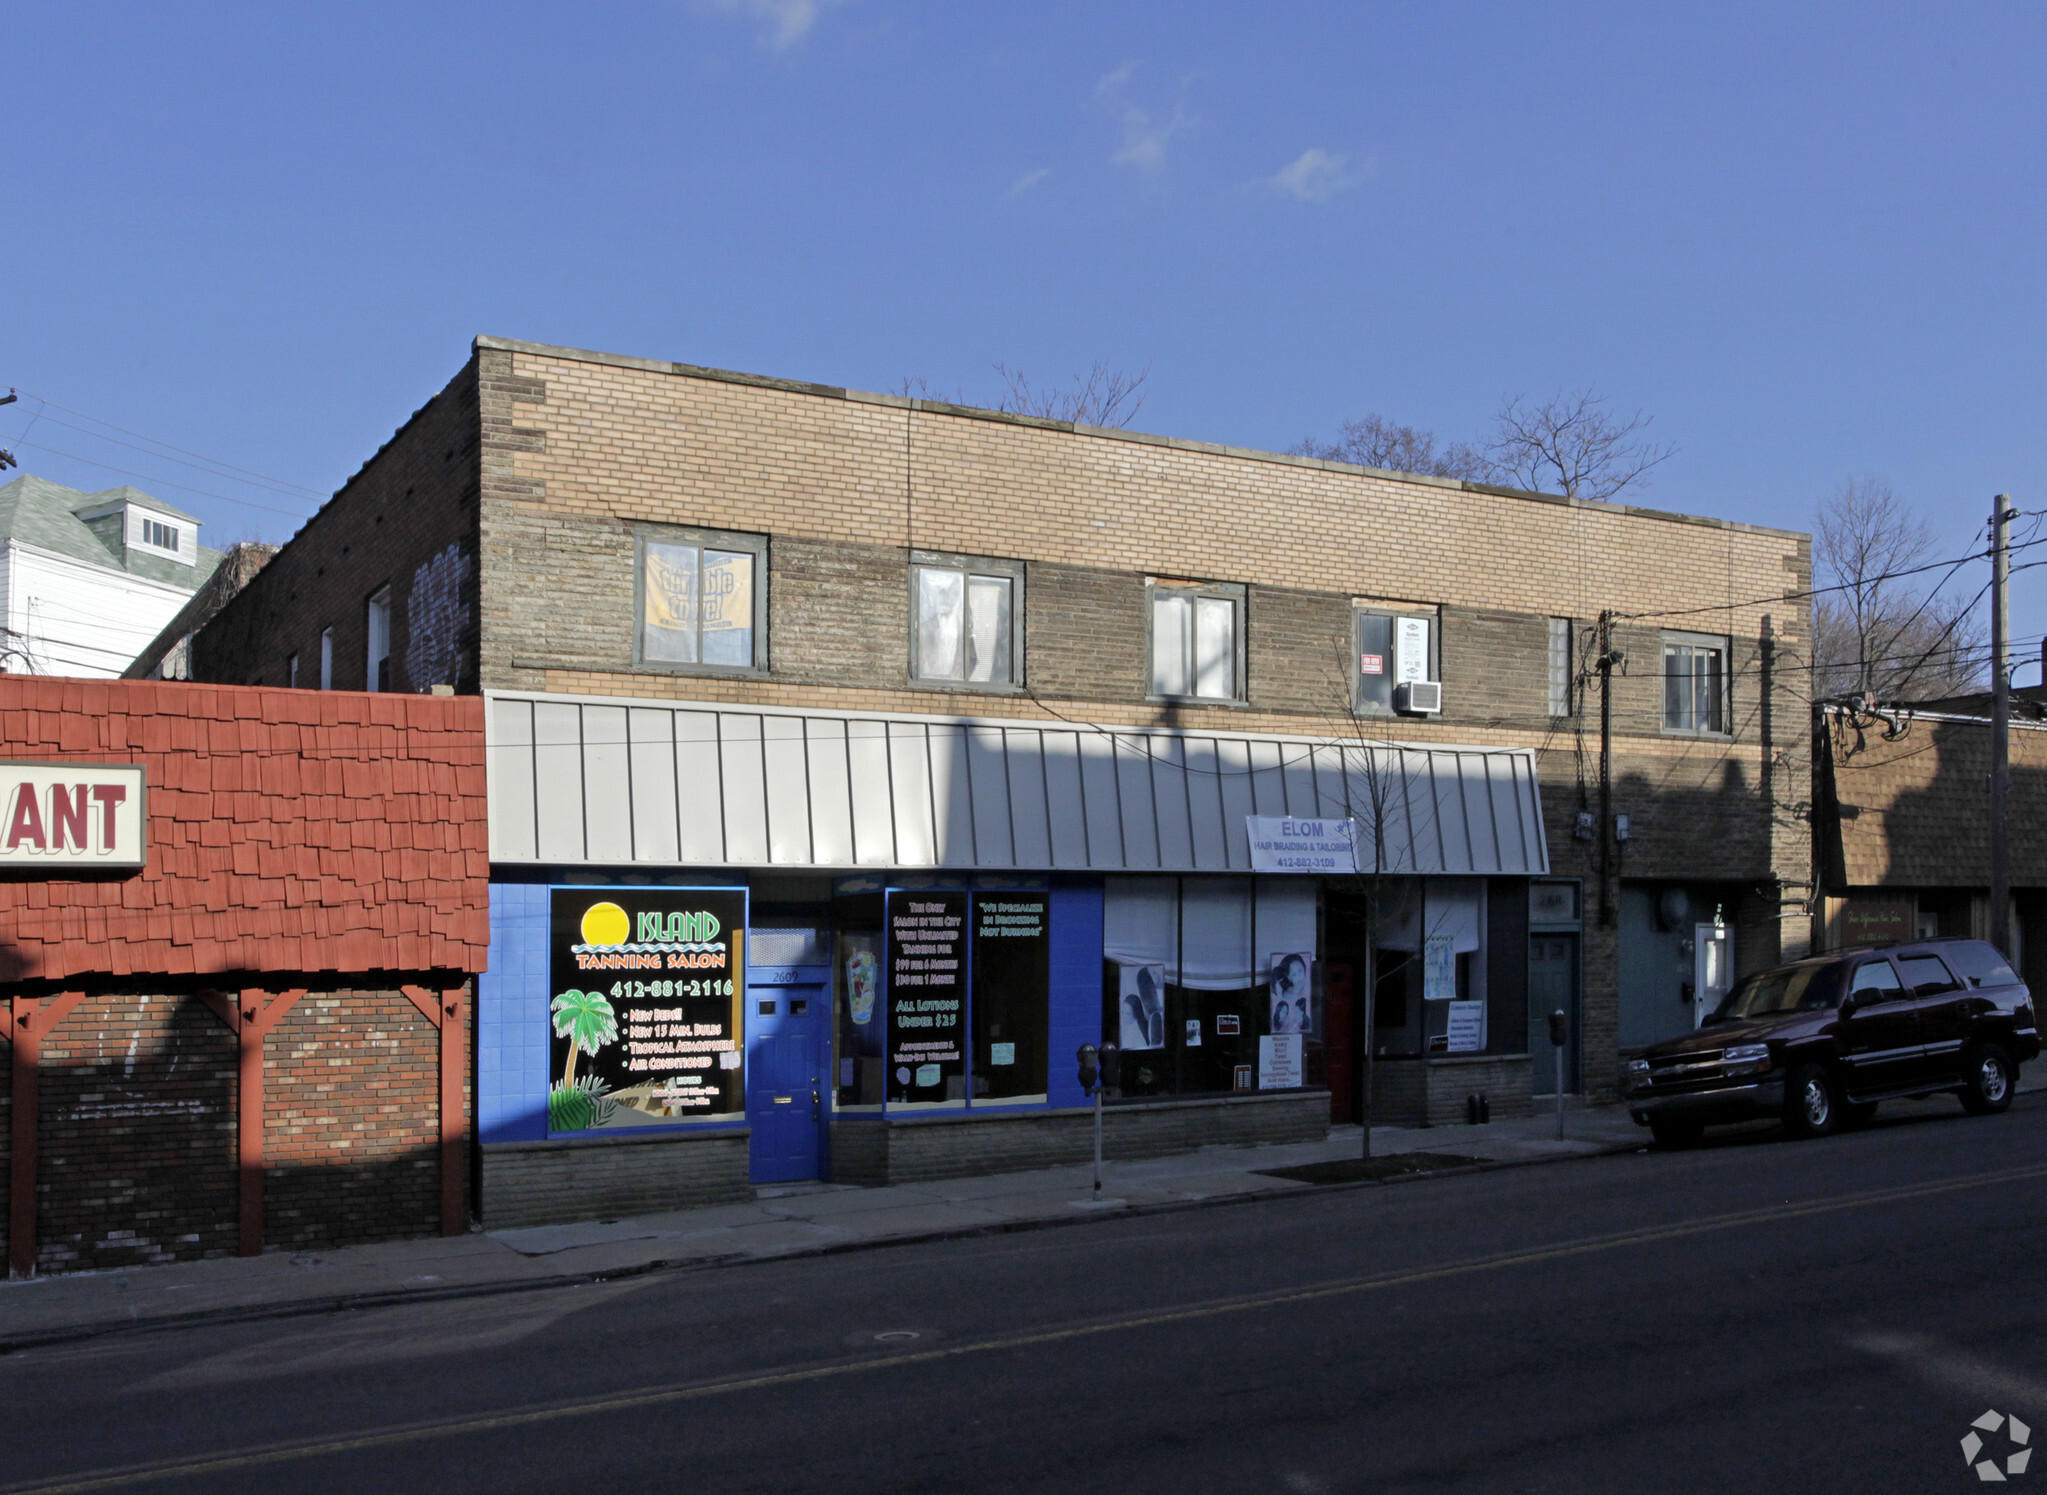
[{"x": 743, "y": 948}]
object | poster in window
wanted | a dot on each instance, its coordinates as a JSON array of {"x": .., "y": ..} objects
[
  {"x": 1291, "y": 1010},
  {"x": 1279, "y": 1061},
  {"x": 727, "y": 607},
  {"x": 1142, "y": 1005},
  {"x": 1410, "y": 649},
  {"x": 669, "y": 605},
  {"x": 1011, "y": 971},
  {"x": 1465, "y": 1028},
  {"x": 927, "y": 998},
  {"x": 1439, "y": 968},
  {"x": 645, "y": 995}
]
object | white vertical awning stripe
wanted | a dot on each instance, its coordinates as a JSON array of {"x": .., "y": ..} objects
[{"x": 599, "y": 782}]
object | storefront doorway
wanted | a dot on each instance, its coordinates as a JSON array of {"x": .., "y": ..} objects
[{"x": 787, "y": 1058}]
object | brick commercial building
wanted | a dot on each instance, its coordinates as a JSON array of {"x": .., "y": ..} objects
[
  {"x": 1895, "y": 795},
  {"x": 241, "y": 929},
  {"x": 853, "y": 759}
]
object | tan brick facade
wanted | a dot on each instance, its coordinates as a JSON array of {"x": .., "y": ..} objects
[{"x": 573, "y": 451}]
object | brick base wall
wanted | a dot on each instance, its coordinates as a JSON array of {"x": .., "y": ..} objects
[
  {"x": 351, "y": 1126},
  {"x": 1433, "y": 1092},
  {"x": 966, "y": 1145},
  {"x": 138, "y": 1149},
  {"x": 552, "y": 1183},
  {"x": 136, "y": 1162}
]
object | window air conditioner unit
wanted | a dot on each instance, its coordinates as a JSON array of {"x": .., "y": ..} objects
[{"x": 1418, "y": 698}]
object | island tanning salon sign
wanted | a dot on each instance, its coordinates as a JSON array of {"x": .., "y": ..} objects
[{"x": 64, "y": 818}]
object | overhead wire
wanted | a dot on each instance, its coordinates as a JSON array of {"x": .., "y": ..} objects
[
  {"x": 245, "y": 472},
  {"x": 157, "y": 482}
]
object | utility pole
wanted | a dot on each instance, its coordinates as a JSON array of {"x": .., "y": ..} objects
[
  {"x": 1605, "y": 666},
  {"x": 2000, "y": 722}
]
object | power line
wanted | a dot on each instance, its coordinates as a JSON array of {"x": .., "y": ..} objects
[
  {"x": 1847, "y": 586},
  {"x": 157, "y": 482},
  {"x": 229, "y": 466},
  {"x": 213, "y": 470}
]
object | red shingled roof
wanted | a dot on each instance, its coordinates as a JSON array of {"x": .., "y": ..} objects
[{"x": 289, "y": 830}]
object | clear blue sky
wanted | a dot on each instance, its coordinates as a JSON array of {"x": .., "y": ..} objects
[{"x": 1807, "y": 238}]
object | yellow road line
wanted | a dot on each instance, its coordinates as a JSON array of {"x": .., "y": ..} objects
[{"x": 279, "y": 1453}]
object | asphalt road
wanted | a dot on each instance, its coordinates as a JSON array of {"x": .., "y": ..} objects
[{"x": 1755, "y": 1315}]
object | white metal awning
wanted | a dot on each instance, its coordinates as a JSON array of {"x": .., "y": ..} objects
[{"x": 585, "y": 780}]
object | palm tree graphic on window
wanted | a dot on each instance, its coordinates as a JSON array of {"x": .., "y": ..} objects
[{"x": 584, "y": 1018}]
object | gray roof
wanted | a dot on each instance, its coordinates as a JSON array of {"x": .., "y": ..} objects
[
  {"x": 585, "y": 780},
  {"x": 37, "y": 512}
]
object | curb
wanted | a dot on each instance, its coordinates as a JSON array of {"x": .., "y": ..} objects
[{"x": 353, "y": 1302}]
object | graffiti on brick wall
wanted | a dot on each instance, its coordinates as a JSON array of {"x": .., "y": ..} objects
[{"x": 437, "y": 619}]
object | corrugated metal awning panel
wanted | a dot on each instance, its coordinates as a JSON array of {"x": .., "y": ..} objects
[{"x": 606, "y": 782}]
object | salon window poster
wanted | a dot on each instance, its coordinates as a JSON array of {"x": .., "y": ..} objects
[
  {"x": 644, "y": 1001},
  {"x": 927, "y": 997}
]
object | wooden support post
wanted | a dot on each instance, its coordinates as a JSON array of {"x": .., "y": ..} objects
[
  {"x": 446, "y": 1012},
  {"x": 26, "y": 1020},
  {"x": 251, "y": 1019}
]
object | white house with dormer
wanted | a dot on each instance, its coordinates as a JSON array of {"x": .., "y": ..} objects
[{"x": 88, "y": 580}]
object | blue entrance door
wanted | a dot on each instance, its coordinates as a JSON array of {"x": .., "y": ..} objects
[{"x": 785, "y": 1072}]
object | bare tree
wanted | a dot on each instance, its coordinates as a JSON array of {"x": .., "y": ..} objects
[
  {"x": 1103, "y": 396},
  {"x": 1569, "y": 444},
  {"x": 1881, "y": 635},
  {"x": 1378, "y": 442}
]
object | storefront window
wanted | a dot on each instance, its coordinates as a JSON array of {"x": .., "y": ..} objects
[
  {"x": 1011, "y": 959},
  {"x": 1429, "y": 951},
  {"x": 1208, "y": 983},
  {"x": 943, "y": 998},
  {"x": 857, "y": 977}
]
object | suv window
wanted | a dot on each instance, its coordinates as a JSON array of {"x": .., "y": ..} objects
[
  {"x": 1875, "y": 981},
  {"x": 1926, "y": 975},
  {"x": 1810, "y": 987},
  {"x": 1979, "y": 964}
]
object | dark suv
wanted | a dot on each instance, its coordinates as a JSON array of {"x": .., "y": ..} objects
[{"x": 1822, "y": 1041}]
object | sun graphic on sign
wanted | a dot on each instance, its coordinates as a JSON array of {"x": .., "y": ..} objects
[{"x": 606, "y": 924}]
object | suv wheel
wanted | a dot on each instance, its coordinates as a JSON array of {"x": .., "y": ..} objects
[
  {"x": 1810, "y": 1108},
  {"x": 1986, "y": 1080}
]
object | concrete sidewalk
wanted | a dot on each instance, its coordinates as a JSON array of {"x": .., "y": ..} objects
[{"x": 793, "y": 1220}]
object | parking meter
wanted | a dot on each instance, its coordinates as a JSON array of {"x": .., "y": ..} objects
[
  {"x": 1090, "y": 1070},
  {"x": 1559, "y": 1028}
]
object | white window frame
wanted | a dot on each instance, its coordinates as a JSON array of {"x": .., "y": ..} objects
[
  {"x": 1157, "y": 592},
  {"x": 376, "y": 636},
  {"x": 327, "y": 658},
  {"x": 291, "y": 669},
  {"x": 1695, "y": 643},
  {"x": 161, "y": 534},
  {"x": 968, "y": 568},
  {"x": 701, "y": 539}
]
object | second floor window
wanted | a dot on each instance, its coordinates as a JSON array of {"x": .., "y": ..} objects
[
  {"x": 1694, "y": 684},
  {"x": 1197, "y": 642},
  {"x": 379, "y": 630},
  {"x": 164, "y": 536},
  {"x": 703, "y": 600},
  {"x": 966, "y": 623},
  {"x": 1560, "y": 672}
]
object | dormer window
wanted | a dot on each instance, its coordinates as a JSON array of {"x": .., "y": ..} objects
[{"x": 155, "y": 532}]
